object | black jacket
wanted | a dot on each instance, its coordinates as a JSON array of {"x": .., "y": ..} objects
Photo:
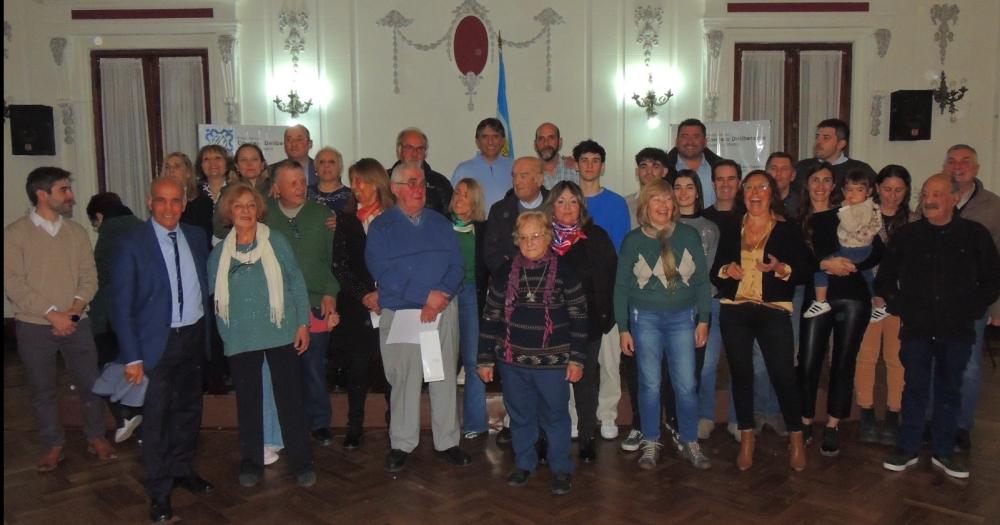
[
  {"x": 595, "y": 262},
  {"x": 710, "y": 157},
  {"x": 482, "y": 273},
  {"x": 351, "y": 272},
  {"x": 499, "y": 245},
  {"x": 939, "y": 279},
  {"x": 785, "y": 244},
  {"x": 439, "y": 190},
  {"x": 823, "y": 228}
]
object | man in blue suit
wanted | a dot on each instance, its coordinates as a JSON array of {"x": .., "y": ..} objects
[{"x": 159, "y": 305}]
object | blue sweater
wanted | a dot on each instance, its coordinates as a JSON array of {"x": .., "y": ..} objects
[
  {"x": 408, "y": 261},
  {"x": 610, "y": 211}
]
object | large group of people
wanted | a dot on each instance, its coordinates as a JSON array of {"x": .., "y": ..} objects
[{"x": 526, "y": 272}]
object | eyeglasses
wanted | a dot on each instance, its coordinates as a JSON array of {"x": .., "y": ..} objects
[
  {"x": 530, "y": 238},
  {"x": 418, "y": 149},
  {"x": 756, "y": 187},
  {"x": 413, "y": 183}
]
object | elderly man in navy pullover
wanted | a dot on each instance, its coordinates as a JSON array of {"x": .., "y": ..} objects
[{"x": 414, "y": 256}]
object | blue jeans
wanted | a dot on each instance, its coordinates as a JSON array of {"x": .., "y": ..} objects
[
  {"x": 474, "y": 402},
  {"x": 272, "y": 428},
  {"x": 537, "y": 399},
  {"x": 972, "y": 379},
  {"x": 315, "y": 396},
  {"x": 710, "y": 367},
  {"x": 666, "y": 336},
  {"x": 921, "y": 359}
]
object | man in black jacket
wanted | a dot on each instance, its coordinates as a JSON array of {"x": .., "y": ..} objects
[
  {"x": 527, "y": 194},
  {"x": 691, "y": 152},
  {"x": 938, "y": 275},
  {"x": 411, "y": 146}
]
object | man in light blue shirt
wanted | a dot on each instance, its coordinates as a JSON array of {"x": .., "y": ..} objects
[{"x": 489, "y": 168}]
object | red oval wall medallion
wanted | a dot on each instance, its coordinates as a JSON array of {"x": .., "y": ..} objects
[{"x": 471, "y": 45}]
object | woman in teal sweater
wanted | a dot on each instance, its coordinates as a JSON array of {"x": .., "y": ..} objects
[
  {"x": 662, "y": 307},
  {"x": 263, "y": 314}
]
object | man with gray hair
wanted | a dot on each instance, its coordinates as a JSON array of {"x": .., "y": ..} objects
[
  {"x": 938, "y": 274},
  {"x": 414, "y": 256},
  {"x": 978, "y": 204},
  {"x": 412, "y": 147}
]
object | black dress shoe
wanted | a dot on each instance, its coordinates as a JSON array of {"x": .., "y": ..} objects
[
  {"x": 323, "y": 436},
  {"x": 395, "y": 460},
  {"x": 518, "y": 478},
  {"x": 194, "y": 484},
  {"x": 455, "y": 456},
  {"x": 160, "y": 511},
  {"x": 504, "y": 437},
  {"x": 352, "y": 441},
  {"x": 588, "y": 452}
]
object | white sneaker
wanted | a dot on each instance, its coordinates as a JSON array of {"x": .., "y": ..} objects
[
  {"x": 609, "y": 430},
  {"x": 878, "y": 313},
  {"x": 816, "y": 308},
  {"x": 129, "y": 425},
  {"x": 650, "y": 455},
  {"x": 705, "y": 428},
  {"x": 632, "y": 441},
  {"x": 271, "y": 454}
]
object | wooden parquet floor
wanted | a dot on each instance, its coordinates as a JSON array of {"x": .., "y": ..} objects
[{"x": 352, "y": 487}]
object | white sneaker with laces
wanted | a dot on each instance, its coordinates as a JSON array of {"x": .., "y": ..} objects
[
  {"x": 692, "y": 452},
  {"x": 816, "y": 308},
  {"x": 129, "y": 425},
  {"x": 609, "y": 430},
  {"x": 878, "y": 313},
  {"x": 650, "y": 454}
]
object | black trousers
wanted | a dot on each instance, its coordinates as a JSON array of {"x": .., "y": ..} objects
[
  {"x": 355, "y": 347},
  {"x": 217, "y": 370},
  {"x": 172, "y": 411},
  {"x": 741, "y": 325},
  {"x": 848, "y": 321},
  {"x": 286, "y": 379},
  {"x": 585, "y": 392}
]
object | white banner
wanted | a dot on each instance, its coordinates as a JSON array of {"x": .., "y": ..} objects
[
  {"x": 270, "y": 139},
  {"x": 747, "y": 142}
]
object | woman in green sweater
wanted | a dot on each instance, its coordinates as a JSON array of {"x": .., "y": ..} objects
[
  {"x": 262, "y": 310},
  {"x": 662, "y": 306}
]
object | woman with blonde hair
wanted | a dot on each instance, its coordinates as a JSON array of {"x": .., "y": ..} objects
[
  {"x": 370, "y": 184},
  {"x": 662, "y": 303},
  {"x": 468, "y": 216}
]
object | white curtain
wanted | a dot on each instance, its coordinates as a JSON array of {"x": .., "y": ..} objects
[
  {"x": 762, "y": 91},
  {"x": 819, "y": 94},
  {"x": 182, "y": 103},
  {"x": 126, "y": 131}
]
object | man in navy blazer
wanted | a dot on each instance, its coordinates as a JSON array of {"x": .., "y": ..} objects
[{"x": 159, "y": 311}]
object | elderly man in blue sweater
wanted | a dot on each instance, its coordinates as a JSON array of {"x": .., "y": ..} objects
[{"x": 414, "y": 256}]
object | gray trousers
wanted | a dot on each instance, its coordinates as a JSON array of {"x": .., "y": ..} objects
[
  {"x": 38, "y": 347},
  {"x": 404, "y": 371}
]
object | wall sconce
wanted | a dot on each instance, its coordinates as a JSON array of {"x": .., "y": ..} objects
[
  {"x": 648, "y": 20},
  {"x": 651, "y": 101},
  {"x": 294, "y": 106},
  {"x": 947, "y": 98}
]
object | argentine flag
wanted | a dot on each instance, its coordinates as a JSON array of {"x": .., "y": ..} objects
[{"x": 502, "y": 112}]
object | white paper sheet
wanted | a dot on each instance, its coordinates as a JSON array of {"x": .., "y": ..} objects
[
  {"x": 430, "y": 355},
  {"x": 407, "y": 328}
]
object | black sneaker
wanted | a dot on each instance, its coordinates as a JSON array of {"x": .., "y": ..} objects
[
  {"x": 395, "y": 460},
  {"x": 867, "y": 431},
  {"x": 963, "y": 442},
  {"x": 352, "y": 441},
  {"x": 503, "y": 437},
  {"x": 831, "y": 442},
  {"x": 323, "y": 436},
  {"x": 518, "y": 478},
  {"x": 900, "y": 461},
  {"x": 950, "y": 467},
  {"x": 561, "y": 484}
]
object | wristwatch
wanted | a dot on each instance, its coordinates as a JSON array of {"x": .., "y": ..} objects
[{"x": 75, "y": 318}]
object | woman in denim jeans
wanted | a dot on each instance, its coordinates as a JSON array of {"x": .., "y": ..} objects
[
  {"x": 662, "y": 305},
  {"x": 468, "y": 215}
]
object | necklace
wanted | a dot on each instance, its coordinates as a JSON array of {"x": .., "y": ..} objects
[{"x": 531, "y": 296}]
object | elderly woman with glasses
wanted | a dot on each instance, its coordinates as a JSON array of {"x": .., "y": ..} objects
[
  {"x": 758, "y": 263},
  {"x": 662, "y": 305},
  {"x": 262, "y": 309},
  {"x": 534, "y": 330}
]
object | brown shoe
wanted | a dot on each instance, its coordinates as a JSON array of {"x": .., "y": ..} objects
[
  {"x": 796, "y": 452},
  {"x": 50, "y": 460},
  {"x": 747, "y": 441},
  {"x": 102, "y": 449}
]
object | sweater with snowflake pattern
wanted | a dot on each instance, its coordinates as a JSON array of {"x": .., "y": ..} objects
[{"x": 640, "y": 283}]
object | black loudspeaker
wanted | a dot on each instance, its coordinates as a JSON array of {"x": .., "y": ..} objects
[
  {"x": 910, "y": 115},
  {"x": 31, "y": 130}
]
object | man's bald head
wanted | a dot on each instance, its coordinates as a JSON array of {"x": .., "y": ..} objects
[
  {"x": 938, "y": 197},
  {"x": 548, "y": 141}
]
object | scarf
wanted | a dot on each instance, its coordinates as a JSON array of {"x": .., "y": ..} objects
[
  {"x": 366, "y": 214},
  {"x": 261, "y": 251},
  {"x": 520, "y": 263},
  {"x": 461, "y": 226},
  {"x": 564, "y": 237}
]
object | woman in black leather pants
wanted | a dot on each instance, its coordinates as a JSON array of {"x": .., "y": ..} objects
[{"x": 850, "y": 300}]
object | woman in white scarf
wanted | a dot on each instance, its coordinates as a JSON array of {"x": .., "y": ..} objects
[{"x": 262, "y": 310}]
